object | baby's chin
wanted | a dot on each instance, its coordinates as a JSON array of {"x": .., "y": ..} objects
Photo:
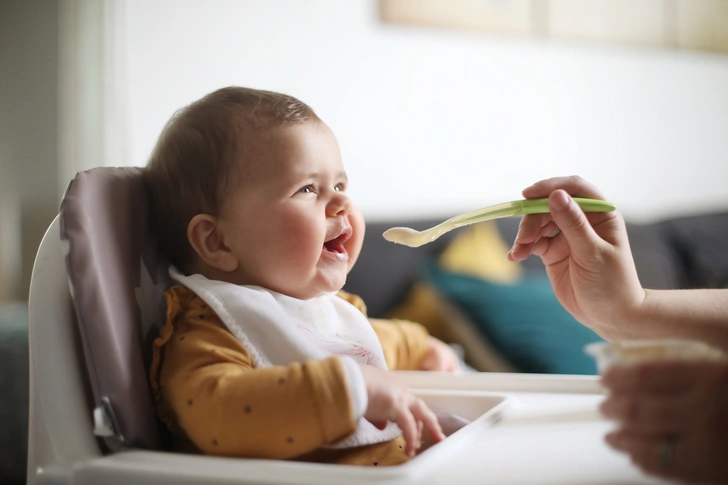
[
  {"x": 309, "y": 295},
  {"x": 334, "y": 288},
  {"x": 331, "y": 285},
  {"x": 314, "y": 289}
]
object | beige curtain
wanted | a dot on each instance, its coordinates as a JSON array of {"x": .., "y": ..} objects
[{"x": 92, "y": 80}]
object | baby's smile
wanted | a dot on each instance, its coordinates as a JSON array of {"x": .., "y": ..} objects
[{"x": 333, "y": 247}]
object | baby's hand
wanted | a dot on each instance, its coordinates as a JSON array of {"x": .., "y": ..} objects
[
  {"x": 390, "y": 400},
  {"x": 440, "y": 357}
]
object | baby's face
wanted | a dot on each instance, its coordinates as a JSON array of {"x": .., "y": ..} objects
[{"x": 291, "y": 224}]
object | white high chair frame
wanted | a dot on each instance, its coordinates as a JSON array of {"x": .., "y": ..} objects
[{"x": 555, "y": 435}]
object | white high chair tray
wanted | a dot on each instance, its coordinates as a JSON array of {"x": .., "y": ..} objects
[
  {"x": 555, "y": 436},
  {"x": 526, "y": 429}
]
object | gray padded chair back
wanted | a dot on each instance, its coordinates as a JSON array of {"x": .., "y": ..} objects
[{"x": 117, "y": 279}]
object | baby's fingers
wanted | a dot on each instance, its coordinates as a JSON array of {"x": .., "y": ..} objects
[
  {"x": 410, "y": 432},
  {"x": 427, "y": 418}
]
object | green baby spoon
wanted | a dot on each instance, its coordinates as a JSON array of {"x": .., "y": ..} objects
[{"x": 413, "y": 238}]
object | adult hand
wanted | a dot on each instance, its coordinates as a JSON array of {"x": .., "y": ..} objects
[
  {"x": 390, "y": 400},
  {"x": 672, "y": 417},
  {"x": 440, "y": 357},
  {"x": 588, "y": 261}
]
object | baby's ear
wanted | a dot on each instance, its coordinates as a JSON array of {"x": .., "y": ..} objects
[{"x": 207, "y": 241}]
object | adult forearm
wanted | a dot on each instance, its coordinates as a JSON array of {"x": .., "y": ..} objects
[{"x": 691, "y": 314}]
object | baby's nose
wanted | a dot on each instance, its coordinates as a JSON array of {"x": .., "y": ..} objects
[{"x": 340, "y": 205}]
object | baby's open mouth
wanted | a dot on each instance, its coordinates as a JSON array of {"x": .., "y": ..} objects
[{"x": 334, "y": 248}]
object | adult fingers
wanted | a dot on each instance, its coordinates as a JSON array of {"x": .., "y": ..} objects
[
  {"x": 574, "y": 185},
  {"x": 648, "y": 415},
  {"x": 664, "y": 377},
  {"x": 531, "y": 228},
  {"x": 544, "y": 244},
  {"x": 574, "y": 225},
  {"x": 565, "y": 217},
  {"x": 656, "y": 455},
  {"x": 550, "y": 230}
]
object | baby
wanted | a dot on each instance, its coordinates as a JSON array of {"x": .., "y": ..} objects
[{"x": 262, "y": 354}]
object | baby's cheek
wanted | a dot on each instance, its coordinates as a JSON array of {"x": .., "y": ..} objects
[{"x": 354, "y": 244}]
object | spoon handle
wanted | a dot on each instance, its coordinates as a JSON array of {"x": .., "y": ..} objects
[{"x": 525, "y": 206}]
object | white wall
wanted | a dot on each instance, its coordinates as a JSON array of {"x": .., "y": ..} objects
[{"x": 432, "y": 123}]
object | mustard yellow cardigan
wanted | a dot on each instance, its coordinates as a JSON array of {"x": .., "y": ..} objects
[{"x": 210, "y": 395}]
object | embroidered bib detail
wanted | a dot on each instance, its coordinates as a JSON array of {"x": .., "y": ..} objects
[{"x": 279, "y": 330}]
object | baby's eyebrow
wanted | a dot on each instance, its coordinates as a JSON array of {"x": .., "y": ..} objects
[{"x": 316, "y": 175}]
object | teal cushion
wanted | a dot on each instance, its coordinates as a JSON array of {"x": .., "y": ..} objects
[
  {"x": 14, "y": 391},
  {"x": 523, "y": 321}
]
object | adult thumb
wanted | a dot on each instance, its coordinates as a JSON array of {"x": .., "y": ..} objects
[{"x": 572, "y": 223}]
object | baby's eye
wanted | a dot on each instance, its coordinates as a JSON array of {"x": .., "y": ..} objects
[
  {"x": 340, "y": 187},
  {"x": 308, "y": 189}
]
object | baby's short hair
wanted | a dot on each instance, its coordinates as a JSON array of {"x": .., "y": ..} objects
[{"x": 196, "y": 162}]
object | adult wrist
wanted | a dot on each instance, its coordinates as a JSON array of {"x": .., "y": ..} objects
[{"x": 634, "y": 318}]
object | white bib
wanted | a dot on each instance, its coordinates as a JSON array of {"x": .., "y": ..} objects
[{"x": 279, "y": 330}]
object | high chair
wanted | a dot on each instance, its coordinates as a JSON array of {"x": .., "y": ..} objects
[{"x": 95, "y": 307}]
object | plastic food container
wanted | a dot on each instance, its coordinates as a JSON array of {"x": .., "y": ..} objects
[{"x": 636, "y": 351}]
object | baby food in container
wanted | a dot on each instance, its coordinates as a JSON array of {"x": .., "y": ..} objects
[{"x": 636, "y": 351}]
